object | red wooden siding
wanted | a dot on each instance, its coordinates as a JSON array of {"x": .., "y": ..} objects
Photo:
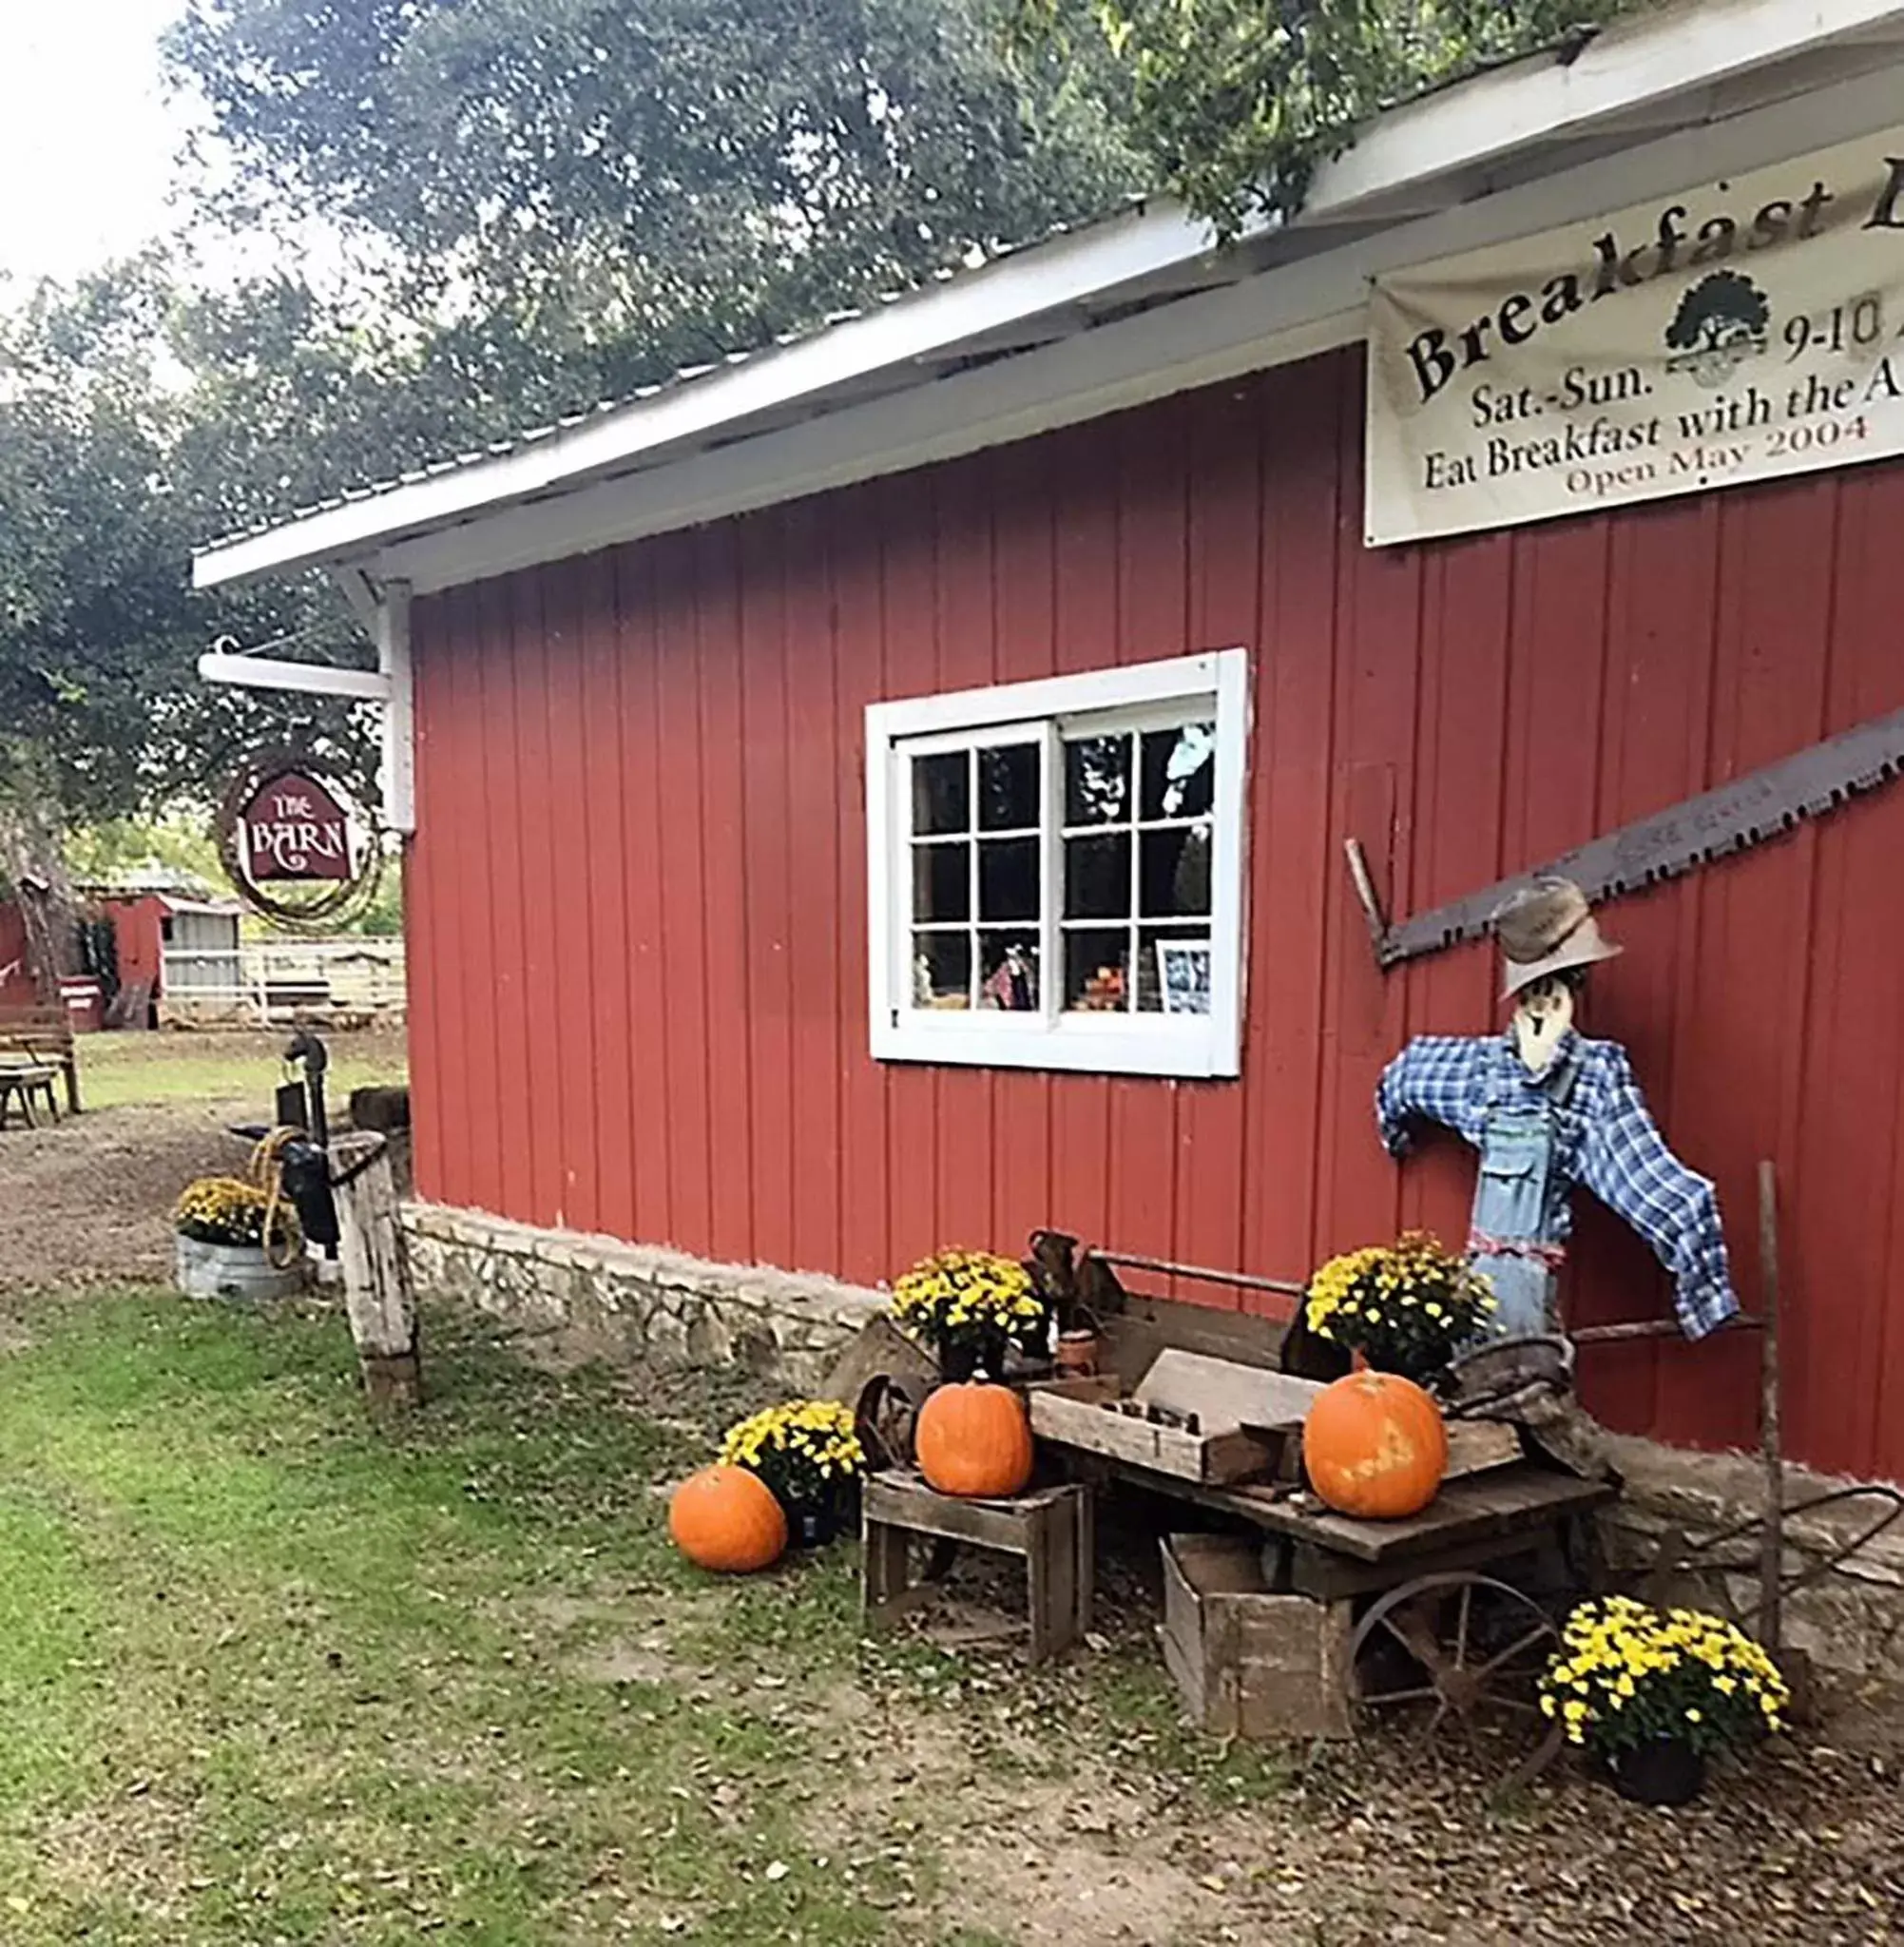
[{"x": 638, "y": 901}]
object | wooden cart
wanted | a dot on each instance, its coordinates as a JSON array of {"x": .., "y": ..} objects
[{"x": 1455, "y": 1611}]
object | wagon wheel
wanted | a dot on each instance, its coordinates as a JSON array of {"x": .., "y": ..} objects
[{"x": 1460, "y": 1654}]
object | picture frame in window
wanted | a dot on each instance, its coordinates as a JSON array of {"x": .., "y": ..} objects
[{"x": 1183, "y": 975}]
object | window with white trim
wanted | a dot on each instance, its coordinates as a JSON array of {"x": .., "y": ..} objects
[{"x": 1056, "y": 871}]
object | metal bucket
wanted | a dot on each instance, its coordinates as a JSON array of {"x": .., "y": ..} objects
[{"x": 231, "y": 1270}]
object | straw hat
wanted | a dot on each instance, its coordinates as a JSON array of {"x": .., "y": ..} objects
[{"x": 1545, "y": 927}]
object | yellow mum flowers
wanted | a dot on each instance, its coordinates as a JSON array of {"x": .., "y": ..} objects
[
  {"x": 226, "y": 1209},
  {"x": 805, "y": 1450},
  {"x": 1626, "y": 1673},
  {"x": 1407, "y": 1306},
  {"x": 972, "y": 1298}
]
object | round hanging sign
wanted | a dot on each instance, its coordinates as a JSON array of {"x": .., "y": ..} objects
[{"x": 297, "y": 845}]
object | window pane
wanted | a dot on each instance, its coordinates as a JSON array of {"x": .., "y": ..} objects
[
  {"x": 942, "y": 970},
  {"x": 1007, "y": 970},
  {"x": 1180, "y": 771},
  {"x": 1174, "y": 871},
  {"x": 1188, "y": 961},
  {"x": 942, "y": 792},
  {"x": 1007, "y": 788},
  {"x": 1097, "y": 876},
  {"x": 1097, "y": 970},
  {"x": 1008, "y": 878},
  {"x": 942, "y": 881},
  {"x": 1097, "y": 780}
]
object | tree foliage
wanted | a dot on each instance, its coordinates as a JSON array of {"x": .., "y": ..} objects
[
  {"x": 1235, "y": 102},
  {"x": 517, "y": 209},
  {"x": 569, "y": 197}
]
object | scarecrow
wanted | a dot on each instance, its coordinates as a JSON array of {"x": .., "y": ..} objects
[{"x": 1549, "y": 1109}]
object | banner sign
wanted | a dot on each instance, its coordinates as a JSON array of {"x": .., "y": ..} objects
[
  {"x": 1742, "y": 331},
  {"x": 292, "y": 829}
]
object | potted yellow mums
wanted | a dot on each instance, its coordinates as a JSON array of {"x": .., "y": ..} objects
[
  {"x": 809, "y": 1454},
  {"x": 1654, "y": 1692}
]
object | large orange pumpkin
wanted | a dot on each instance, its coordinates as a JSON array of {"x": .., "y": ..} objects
[
  {"x": 1375, "y": 1445},
  {"x": 728, "y": 1519},
  {"x": 975, "y": 1440}
]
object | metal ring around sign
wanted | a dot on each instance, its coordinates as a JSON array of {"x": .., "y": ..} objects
[{"x": 341, "y": 900}]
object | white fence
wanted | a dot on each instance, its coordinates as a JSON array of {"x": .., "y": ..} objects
[{"x": 272, "y": 981}]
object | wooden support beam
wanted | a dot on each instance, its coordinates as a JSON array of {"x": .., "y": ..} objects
[{"x": 378, "y": 1297}]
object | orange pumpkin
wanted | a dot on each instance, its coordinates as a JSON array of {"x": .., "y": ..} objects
[
  {"x": 728, "y": 1519},
  {"x": 1375, "y": 1445},
  {"x": 975, "y": 1440}
]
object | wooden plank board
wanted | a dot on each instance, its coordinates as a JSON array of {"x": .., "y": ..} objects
[
  {"x": 1475, "y": 1446},
  {"x": 1508, "y": 1501},
  {"x": 1089, "y": 1424},
  {"x": 1147, "y": 1326},
  {"x": 1502, "y": 1505},
  {"x": 1224, "y": 1395}
]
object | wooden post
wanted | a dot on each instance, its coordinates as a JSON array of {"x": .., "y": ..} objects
[{"x": 378, "y": 1293}]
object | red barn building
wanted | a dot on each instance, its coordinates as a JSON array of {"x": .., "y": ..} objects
[{"x": 892, "y": 791}]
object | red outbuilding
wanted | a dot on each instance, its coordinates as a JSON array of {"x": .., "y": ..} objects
[{"x": 891, "y": 790}]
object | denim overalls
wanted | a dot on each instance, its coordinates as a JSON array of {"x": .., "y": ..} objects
[{"x": 1517, "y": 1234}]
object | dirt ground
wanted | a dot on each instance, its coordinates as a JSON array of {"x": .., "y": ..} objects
[
  {"x": 88, "y": 1200},
  {"x": 1052, "y": 1830}
]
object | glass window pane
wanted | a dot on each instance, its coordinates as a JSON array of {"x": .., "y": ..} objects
[
  {"x": 1007, "y": 788},
  {"x": 1007, "y": 970},
  {"x": 1180, "y": 772},
  {"x": 942, "y": 881},
  {"x": 1097, "y": 970},
  {"x": 1186, "y": 960},
  {"x": 1174, "y": 871},
  {"x": 1097, "y": 876},
  {"x": 942, "y": 792},
  {"x": 1008, "y": 878},
  {"x": 942, "y": 970},
  {"x": 1097, "y": 780}
]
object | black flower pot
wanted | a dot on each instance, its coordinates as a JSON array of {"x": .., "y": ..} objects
[
  {"x": 822, "y": 1518},
  {"x": 813, "y": 1525},
  {"x": 963, "y": 1359},
  {"x": 1663, "y": 1771}
]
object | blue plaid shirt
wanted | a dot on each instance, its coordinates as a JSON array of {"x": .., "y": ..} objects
[{"x": 1608, "y": 1141}]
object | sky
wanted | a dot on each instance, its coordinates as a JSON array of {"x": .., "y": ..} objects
[{"x": 86, "y": 137}]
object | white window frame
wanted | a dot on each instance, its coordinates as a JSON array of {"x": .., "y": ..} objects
[{"x": 1134, "y": 1044}]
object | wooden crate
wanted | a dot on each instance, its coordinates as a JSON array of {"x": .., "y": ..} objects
[
  {"x": 1249, "y": 1420},
  {"x": 1246, "y": 1663}
]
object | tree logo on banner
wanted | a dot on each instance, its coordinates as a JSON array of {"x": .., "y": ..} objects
[
  {"x": 1720, "y": 322},
  {"x": 297, "y": 843}
]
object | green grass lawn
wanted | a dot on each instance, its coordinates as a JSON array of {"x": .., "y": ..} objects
[
  {"x": 119, "y": 1068},
  {"x": 267, "y": 1675}
]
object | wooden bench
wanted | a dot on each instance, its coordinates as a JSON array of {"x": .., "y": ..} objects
[
  {"x": 21, "y": 1082},
  {"x": 1049, "y": 1527},
  {"x": 42, "y": 1037}
]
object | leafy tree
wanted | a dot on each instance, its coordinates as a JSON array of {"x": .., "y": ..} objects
[
  {"x": 569, "y": 197},
  {"x": 523, "y": 206},
  {"x": 1235, "y": 102},
  {"x": 103, "y": 494}
]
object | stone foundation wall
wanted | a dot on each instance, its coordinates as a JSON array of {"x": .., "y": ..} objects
[
  {"x": 1851, "y": 1621},
  {"x": 599, "y": 1298}
]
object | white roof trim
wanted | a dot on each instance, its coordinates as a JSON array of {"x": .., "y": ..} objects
[
  {"x": 1248, "y": 326},
  {"x": 472, "y": 521},
  {"x": 1625, "y": 73},
  {"x": 932, "y": 319}
]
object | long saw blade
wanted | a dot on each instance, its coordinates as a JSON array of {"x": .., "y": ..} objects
[{"x": 1748, "y": 811}]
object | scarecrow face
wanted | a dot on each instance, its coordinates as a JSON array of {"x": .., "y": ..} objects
[{"x": 1543, "y": 1013}]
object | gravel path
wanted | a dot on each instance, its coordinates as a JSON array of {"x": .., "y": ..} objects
[{"x": 88, "y": 1199}]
